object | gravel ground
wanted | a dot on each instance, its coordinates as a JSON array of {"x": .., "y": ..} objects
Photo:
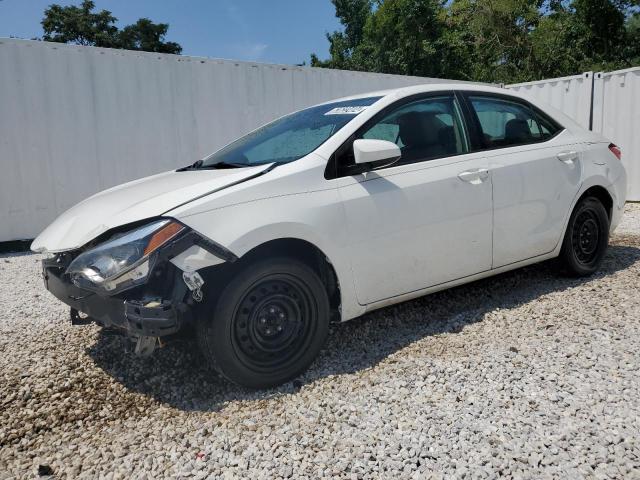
[{"x": 525, "y": 375}]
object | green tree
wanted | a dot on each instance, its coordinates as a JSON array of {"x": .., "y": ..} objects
[
  {"x": 586, "y": 35},
  {"x": 632, "y": 42},
  {"x": 485, "y": 40},
  {"x": 406, "y": 36},
  {"x": 147, "y": 36},
  {"x": 353, "y": 15},
  {"x": 554, "y": 43},
  {"x": 601, "y": 26},
  {"x": 498, "y": 37},
  {"x": 80, "y": 25},
  {"x": 394, "y": 36},
  {"x": 84, "y": 26}
]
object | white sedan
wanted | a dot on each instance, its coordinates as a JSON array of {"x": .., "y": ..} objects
[{"x": 331, "y": 212}]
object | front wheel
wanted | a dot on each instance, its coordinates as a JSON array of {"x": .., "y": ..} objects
[
  {"x": 586, "y": 239},
  {"x": 268, "y": 324}
]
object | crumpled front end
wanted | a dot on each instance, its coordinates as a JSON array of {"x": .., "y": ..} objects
[{"x": 142, "y": 279}]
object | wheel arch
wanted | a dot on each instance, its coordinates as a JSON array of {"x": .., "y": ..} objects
[
  {"x": 307, "y": 253},
  {"x": 595, "y": 188},
  {"x": 602, "y": 194},
  {"x": 291, "y": 247}
]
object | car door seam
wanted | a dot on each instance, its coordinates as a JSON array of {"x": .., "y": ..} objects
[{"x": 493, "y": 213}]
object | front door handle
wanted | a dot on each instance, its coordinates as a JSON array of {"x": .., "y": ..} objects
[
  {"x": 474, "y": 177},
  {"x": 567, "y": 156}
]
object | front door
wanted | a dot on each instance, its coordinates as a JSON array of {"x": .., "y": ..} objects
[{"x": 426, "y": 220}]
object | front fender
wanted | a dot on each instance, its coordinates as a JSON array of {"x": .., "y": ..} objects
[{"x": 315, "y": 217}]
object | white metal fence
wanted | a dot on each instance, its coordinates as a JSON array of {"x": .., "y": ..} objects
[
  {"x": 76, "y": 120},
  {"x": 571, "y": 95},
  {"x": 616, "y": 114},
  {"x": 608, "y": 103}
]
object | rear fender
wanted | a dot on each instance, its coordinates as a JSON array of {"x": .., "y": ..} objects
[{"x": 612, "y": 189}]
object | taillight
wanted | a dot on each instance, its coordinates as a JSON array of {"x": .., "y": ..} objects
[{"x": 616, "y": 151}]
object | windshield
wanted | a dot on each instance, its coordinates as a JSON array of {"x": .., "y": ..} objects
[{"x": 289, "y": 138}]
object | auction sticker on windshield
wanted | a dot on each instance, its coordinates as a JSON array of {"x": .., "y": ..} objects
[{"x": 347, "y": 110}]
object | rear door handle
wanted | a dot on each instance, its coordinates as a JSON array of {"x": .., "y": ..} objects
[
  {"x": 567, "y": 156},
  {"x": 474, "y": 177}
]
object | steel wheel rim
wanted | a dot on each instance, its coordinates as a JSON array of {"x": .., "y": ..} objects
[
  {"x": 585, "y": 237},
  {"x": 273, "y": 323}
]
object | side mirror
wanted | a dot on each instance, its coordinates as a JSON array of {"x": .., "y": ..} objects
[{"x": 371, "y": 154}]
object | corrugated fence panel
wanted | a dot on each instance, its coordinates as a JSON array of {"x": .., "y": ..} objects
[
  {"x": 76, "y": 120},
  {"x": 571, "y": 95},
  {"x": 608, "y": 103},
  {"x": 616, "y": 114}
]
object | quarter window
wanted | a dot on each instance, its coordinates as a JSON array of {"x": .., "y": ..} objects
[{"x": 506, "y": 123}]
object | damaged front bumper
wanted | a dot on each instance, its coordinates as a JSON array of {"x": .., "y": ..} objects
[
  {"x": 160, "y": 306},
  {"x": 140, "y": 312}
]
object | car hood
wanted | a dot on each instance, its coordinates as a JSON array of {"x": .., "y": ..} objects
[{"x": 137, "y": 200}]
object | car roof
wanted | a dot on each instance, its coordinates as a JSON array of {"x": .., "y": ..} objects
[
  {"x": 427, "y": 87},
  {"x": 401, "y": 92}
]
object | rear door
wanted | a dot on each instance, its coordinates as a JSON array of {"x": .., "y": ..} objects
[
  {"x": 425, "y": 220},
  {"x": 536, "y": 172}
]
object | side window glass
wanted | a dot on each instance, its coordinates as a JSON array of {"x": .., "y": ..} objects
[
  {"x": 424, "y": 129},
  {"x": 505, "y": 123},
  {"x": 383, "y": 131}
]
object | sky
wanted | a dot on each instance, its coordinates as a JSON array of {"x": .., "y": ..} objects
[{"x": 271, "y": 31}]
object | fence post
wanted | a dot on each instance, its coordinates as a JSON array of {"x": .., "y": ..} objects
[
  {"x": 597, "y": 104},
  {"x": 588, "y": 86}
]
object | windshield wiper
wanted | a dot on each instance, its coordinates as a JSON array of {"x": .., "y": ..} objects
[
  {"x": 193, "y": 166},
  {"x": 221, "y": 164},
  {"x": 198, "y": 166}
]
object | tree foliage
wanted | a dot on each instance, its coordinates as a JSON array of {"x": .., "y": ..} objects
[
  {"x": 485, "y": 40},
  {"x": 84, "y": 26}
]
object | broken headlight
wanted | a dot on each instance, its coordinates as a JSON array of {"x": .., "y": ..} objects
[{"x": 123, "y": 261}]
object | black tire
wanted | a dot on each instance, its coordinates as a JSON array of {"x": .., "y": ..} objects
[
  {"x": 268, "y": 324},
  {"x": 586, "y": 239}
]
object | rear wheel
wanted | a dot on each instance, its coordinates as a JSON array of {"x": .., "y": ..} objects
[
  {"x": 586, "y": 239},
  {"x": 268, "y": 324}
]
